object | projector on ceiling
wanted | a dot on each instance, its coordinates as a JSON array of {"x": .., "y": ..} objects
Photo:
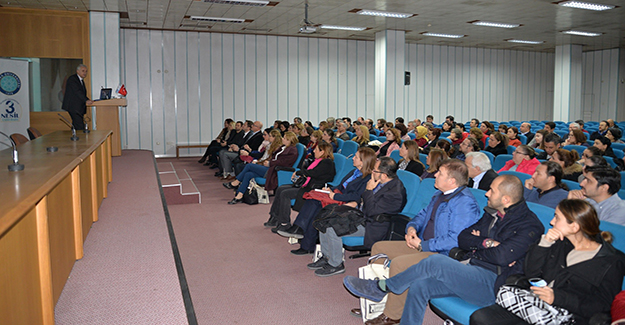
[{"x": 307, "y": 29}]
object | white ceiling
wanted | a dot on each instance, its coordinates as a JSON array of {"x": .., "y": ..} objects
[{"x": 542, "y": 20}]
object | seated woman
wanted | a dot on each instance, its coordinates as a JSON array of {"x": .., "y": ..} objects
[
  {"x": 421, "y": 136},
  {"x": 403, "y": 131},
  {"x": 497, "y": 144},
  {"x": 318, "y": 173},
  {"x": 583, "y": 271},
  {"x": 478, "y": 135},
  {"x": 456, "y": 137},
  {"x": 603, "y": 144},
  {"x": 537, "y": 141},
  {"x": 284, "y": 156},
  {"x": 349, "y": 190},
  {"x": 362, "y": 135},
  {"x": 523, "y": 161},
  {"x": 513, "y": 136},
  {"x": 256, "y": 154},
  {"x": 304, "y": 133},
  {"x": 614, "y": 134},
  {"x": 433, "y": 136},
  {"x": 341, "y": 128},
  {"x": 328, "y": 136},
  {"x": 409, "y": 151},
  {"x": 447, "y": 126},
  {"x": 315, "y": 138},
  {"x": 487, "y": 127},
  {"x": 568, "y": 161},
  {"x": 393, "y": 140},
  {"x": 434, "y": 160},
  {"x": 445, "y": 146},
  {"x": 576, "y": 137},
  {"x": 503, "y": 129},
  {"x": 222, "y": 137}
]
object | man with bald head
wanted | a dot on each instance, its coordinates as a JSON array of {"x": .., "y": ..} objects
[
  {"x": 493, "y": 248},
  {"x": 526, "y": 130}
]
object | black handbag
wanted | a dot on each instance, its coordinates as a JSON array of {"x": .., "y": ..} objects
[
  {"x": 250, "y": 196},
  {"x": 299, "y": 181}
]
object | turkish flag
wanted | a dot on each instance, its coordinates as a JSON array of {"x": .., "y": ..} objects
[{"x": 122, "y": 90}]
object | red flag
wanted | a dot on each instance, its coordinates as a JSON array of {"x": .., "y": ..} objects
[{"x": 122, "y": 90}]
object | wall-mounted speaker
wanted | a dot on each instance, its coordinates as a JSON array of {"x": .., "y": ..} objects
[{"x": 407, "y": 78}]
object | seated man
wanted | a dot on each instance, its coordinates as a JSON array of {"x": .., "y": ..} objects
[
  {"x": 434, "y": 230},
  {"x": 545, "y": 186},
  {"x": 467, "y": 145},
  {"x": 384, "y": 193},
  {"x": 481, "y": 172},
  {"x": 252, "y": 138},
  {"x": 495, "y": 248},
  {"x": 600, "y": 187},
  {"x": 551, "y": 142}
]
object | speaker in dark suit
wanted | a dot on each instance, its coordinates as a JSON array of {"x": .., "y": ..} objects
[{"x": 75, "y": 97}]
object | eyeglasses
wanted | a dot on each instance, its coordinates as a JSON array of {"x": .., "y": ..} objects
[{"x": 377, "y": 171}]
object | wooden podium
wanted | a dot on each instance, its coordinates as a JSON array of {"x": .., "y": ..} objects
[{"x": 107, "y": 118}]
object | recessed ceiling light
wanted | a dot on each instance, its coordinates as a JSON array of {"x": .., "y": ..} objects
[
  {"x": 585, "y": 5},
  {"x": 524, "y": 42},
  {"x": 358, "y": 29},
  {"x": 581, "y": 33},
  {"x": 256, "y": 3},
  {"x": 384, "y": 13},
  {"x": 494, "y": 24},
  {"x": 442, "y": 35},
  {"x": 218, "y": 19}
]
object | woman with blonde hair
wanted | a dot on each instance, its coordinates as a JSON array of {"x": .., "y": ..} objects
[
  {"x": 362, "y": 135},
  {"x": 409, "y": 151},
  {"x": 393, "y": 140},
  {"x": 434, "y": 160}
]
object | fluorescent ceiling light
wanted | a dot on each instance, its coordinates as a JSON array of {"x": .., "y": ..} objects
[
  {"x": 255, "y": 3},
  {"x": 585, "y": 5},
  {"x": 493, "y": 24},
  {"x": 218, "y": 19},
  {"x": 443, "y": 35},
  {"x": 581, "y": 33},
  {"x": 524, "y": 42},
  {"x": 358, "y": 29},
  {"x": 384, "y": 13}
]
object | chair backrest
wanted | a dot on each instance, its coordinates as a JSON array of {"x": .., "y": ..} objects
[
  {"x": 621, "y": 194},
  {"x": 444, "y": 134},
  {"x": 622, "y": 180},
  {"x": 412, "y": 136},
  {"x": 382, "y": 139},
  {"x": 610, "y": 161},
  {"x": 489, "y": 155},
  {"x": 579, "y": 149},
  {"x": 445, "y": 138},
  {"x": 372, "y": 137},
  {"x": 544, "y": 213},
  {"x": 500, "y": 161},
  {"x": 349, "y": 148},
  {"x": 350, "y": 134},
  {"x": 18, "y": 138},
  {"x": 424, "y": 195},
  {"x": 339, "y": 167},
  {"x": 522, "y": 138},
  {"x": 395, "y": 155},
  {"x": 423, "y": 158},
  {"x": 480, "y": 197},
  {"x": 33, "y": 133},
  {"x": 521, "y": 176},
  {"x": 619, "y": 146},
  {"x": 300, "y": 153},
  {"x": 340, "y": 142},
  {"x": 618, "y": 153},
  {"x": 411, "y": 182},
  {"x": 511, "y": 149},
  {"x": 571, "y": 185}
]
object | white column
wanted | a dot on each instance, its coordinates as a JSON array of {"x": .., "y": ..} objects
[
  {"x": 389, "y": 74},
  {"x": 567, "y": 97}
]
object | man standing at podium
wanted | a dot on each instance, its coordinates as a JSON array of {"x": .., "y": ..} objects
[{"x": 75, "y": 98}]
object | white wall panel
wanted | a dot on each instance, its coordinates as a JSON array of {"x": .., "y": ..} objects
[{"x": 599, "y": 84}]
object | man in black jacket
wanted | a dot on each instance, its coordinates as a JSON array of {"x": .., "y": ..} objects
[
  {"x": 526, "y": 130},
  {"x": 384, "y": 193},
  {"x": 251, "y": 140},
  {"x": 75, "y": 97},
  {"x": 495, "y": 248}
]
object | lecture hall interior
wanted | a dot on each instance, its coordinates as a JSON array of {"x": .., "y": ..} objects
[{"x": 86, "y": 234}]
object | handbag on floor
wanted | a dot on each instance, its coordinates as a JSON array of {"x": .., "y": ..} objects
[
  {"x": 255, "y": 194},
  {"x": 373, "y": 271},
  {"x": 525, "y": 304}
]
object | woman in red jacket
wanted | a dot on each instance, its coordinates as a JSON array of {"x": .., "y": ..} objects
[{"x": 523, "y": 161}]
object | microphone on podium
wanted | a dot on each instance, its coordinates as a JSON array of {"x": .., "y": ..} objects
[
  {"x": 74, "y": 136},
  {"x": 15, "y": 166}
]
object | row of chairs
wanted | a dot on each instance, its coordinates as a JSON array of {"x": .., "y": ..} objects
[{"x": 19, "y": 139}]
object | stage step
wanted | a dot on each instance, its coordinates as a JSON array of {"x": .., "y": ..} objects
[{"x": 178, "y": 187}]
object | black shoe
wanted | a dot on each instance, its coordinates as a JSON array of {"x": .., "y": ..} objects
[
  {"x": 235, "y": 201},
  {"x": 319, "y": 264},
  {"x": 295, "y": 232},
  {"x": 213, "y": 166},
  {"x": 283, "y": 226},
  {"x": 271, "y": 223},
  {"x": 201, "y": 161},
  {"x": 208, "y": 163},
  {"x": 302, "y": 251},
  {"x": 219, "y": 174},
  {"x": 330, "y": 270},
  {"x": 229, "y": 186}
]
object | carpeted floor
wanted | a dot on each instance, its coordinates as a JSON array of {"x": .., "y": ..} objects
[{"x": 241, "y": 273}]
